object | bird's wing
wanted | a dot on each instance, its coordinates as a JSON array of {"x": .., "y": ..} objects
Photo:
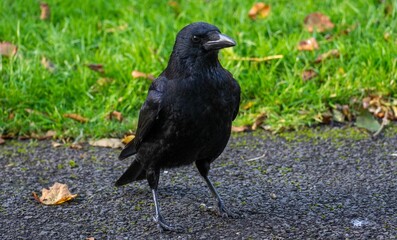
[
  {"x": 147, "y": 116},
  {"x": 237, "y": 92}
]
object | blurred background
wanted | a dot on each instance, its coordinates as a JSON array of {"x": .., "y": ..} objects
[{"x": 84, "y": 67}]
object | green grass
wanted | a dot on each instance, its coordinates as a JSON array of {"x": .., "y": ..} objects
[{"x": 80, "y": 32}]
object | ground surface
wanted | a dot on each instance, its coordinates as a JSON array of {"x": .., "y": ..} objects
[{"x": 299, "y": 188}]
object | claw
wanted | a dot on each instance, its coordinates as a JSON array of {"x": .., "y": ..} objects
[
  {"x": 164, "y": 226},
  {"x": 224, "y": 212}
]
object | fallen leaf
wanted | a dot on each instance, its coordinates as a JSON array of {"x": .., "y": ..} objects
[
  {"x": 366, "y": 102},
  {"x": 107, "y": 142},
  {"x": 49, "y": 134},
  {"x": 259, "y": 10},
  {"x": 116, "y": 115},
  {"x": 2, "y": 141},
  {"x": 104, "y": 81},
  {"x": 45, "y": 11},
  {"x": 334, "y": 53},
  {"x": 137, "y": 74},
  {"x": 255, "y": 59},
  {"x": 11, "y": 116},
  {"x": 55, "y": 195},
  {"x": 76, "y": 117},
  {"x": 56, "y": 144},
  {"x": 367, "y": 121},
  {"x": 325, "y": 117},
  {"x": 96, "y": 67},
  {"x": 308, "y": 45},
  {"x": 248, "y": 105},
  {"x": 309, "y": 74},
  {"x": 175, "y": 6},
  {"x": 50, "y": 66},
  {"x": 260, "y": 119},
  {"x": 347, "y": 113},
  {"x": 338, "y": 116},
  {"x": 8, "y": 49},
  {"x": 241, "y": 129},
  {"x": 317, "y": 22},
  {"x": 76, "y": 146},
  {"x": 23, "y": 137},
  {"x": 127, "y": 139},
  {"x": 381, "y": 107}
]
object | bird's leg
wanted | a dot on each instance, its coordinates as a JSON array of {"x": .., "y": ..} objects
[
  {"x": 204, "y": 167},
  {"x": 153, "y": 177}
]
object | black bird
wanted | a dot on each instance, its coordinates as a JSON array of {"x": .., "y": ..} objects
[{"x": 187, "y": 115}]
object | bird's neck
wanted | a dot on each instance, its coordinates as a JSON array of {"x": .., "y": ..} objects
[{"x": 179, "y": 67}]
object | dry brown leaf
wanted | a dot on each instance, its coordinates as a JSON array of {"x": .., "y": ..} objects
[
  {"x": 49, "y": 134},
  {"x": 2, "y": 141},
  {"x": 55, "y": 195},
  {"x": 11, "y": 116},
  {"x": 107, "y": 142},
  {"x": 260, "y": 119},
  {"x": 56, "y": 144},
  {"x": 76, "y": 117},
  {"x": 346, "y": 111},
  {"x": 380, "y": 107},
  {"x": 175, "y": 6},
  {"x": 241, "y": 129},
  {"x": 96, "y": 67},
  {"x": 76, "y": 146},
  {"x": 325, "y": 117},
  {"x": 309, "y": 74},
  {"x": 255, "y": 59},
  {"x": 259, "y": 10},
  {"x": 137, "y": 74},
  {"x": 127, "y": 139},
  {"x": 116, "y": 115},
  {"x": 8, "y": 49},
  {"x": 317, "y": 22},
  {"x": 45, "y": 11},
  {"x": 50, "y": 66},
  {"x": 334, "y": 53},
  {"x": 308, "y": 45}
]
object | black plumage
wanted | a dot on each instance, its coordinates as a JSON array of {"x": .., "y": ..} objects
[{"x": 188, "y": 113}]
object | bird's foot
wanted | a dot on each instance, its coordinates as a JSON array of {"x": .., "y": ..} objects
[
  {"x": 225, "y": 212},
  {"x": 164, "y": 226}
]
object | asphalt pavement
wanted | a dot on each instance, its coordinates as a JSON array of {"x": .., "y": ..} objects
[{"x": 283, "y": 187}]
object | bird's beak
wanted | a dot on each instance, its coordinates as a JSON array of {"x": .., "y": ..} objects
[{"x": 218, "y": 41}]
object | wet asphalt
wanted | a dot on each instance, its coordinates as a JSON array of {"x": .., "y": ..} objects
[{"x": 283, "y": 188}]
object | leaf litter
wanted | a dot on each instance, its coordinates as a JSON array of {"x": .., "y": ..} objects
[{"x": 55, "y": 195}]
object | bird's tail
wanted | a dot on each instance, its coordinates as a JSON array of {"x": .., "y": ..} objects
[
  {"x": 128, "y": 150},
  {"x": 134, "y": 173}
]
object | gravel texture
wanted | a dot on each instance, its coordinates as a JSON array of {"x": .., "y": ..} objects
[{"x": 284, "y": 189}]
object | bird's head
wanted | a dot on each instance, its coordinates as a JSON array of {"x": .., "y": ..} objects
[
  {"x": 196, "y": 48},
  {"x": 200, "y": 40}
]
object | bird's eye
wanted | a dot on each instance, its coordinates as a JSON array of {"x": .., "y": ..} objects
[{"x": 195, "y": 39}]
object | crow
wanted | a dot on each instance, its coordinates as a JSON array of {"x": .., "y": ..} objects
[{"x": 187, "y": 116}]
